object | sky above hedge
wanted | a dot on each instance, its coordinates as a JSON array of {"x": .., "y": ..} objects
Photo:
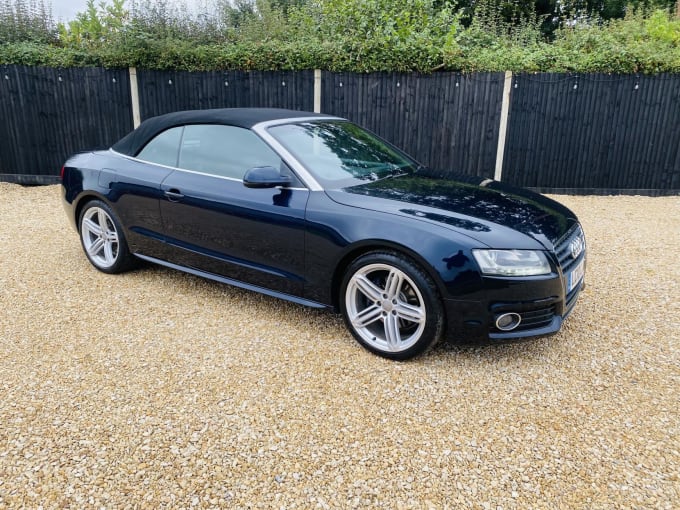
[{"x": 65, "y": 10}]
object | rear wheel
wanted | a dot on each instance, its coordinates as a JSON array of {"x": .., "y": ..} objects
[
  {"x": 102, "y": 238},
  {"x": 391, "y": 305}
]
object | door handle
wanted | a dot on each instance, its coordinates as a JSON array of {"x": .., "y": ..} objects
[{"x": 173, "y": 195}]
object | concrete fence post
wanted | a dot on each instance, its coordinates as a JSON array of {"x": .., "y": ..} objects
[
  {"x": 503, "y": 129},
  {"x": 134, "y": 96},
  {"x": 317, "y": 90}
]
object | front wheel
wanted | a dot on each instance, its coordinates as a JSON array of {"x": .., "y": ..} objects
[
  {"x": 391, "y": 305},
  {"x": 102, "y": 238}
]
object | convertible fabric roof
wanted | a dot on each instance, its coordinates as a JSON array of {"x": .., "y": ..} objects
[{"x": 133, "y": 142}]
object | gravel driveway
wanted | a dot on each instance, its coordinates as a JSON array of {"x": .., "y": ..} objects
[{"x": 158, "y": 389}]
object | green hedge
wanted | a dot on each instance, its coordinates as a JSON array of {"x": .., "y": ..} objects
[{"x": 637, "y": 44}]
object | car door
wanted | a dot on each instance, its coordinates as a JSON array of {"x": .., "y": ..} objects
[{"x": 215, "y": 224}]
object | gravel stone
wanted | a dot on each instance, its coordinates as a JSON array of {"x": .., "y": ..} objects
[{"x": 159, "y": 389}]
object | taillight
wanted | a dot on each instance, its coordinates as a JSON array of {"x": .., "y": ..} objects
[{"x": 61, "y": 174}]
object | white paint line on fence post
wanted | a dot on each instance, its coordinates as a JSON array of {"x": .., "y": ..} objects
[
  {"x": 134, "y": 95},
  {"x": 317, "y": 90},
  {"x": 502, "y": 131}
]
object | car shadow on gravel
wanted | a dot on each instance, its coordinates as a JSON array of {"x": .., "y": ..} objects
[{"x": 312, "y": 319}]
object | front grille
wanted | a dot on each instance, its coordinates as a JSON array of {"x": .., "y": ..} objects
[
  {"x": 568, "y": 262},
  {"x": 563, "y": 248}
]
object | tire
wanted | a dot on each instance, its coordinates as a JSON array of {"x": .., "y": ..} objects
[
  {"x": 102, "y": 238},
  {"x": 391, "y": 305}
]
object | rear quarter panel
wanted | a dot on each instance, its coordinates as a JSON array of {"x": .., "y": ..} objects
[{"x": 131, "y": 188}]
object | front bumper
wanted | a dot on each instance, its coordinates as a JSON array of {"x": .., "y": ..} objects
[{"x": 475, "y": 320}]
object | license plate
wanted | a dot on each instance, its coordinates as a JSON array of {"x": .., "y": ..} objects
[{"x": 575, "y": 276}]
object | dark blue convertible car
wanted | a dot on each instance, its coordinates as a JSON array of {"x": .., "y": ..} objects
[{"x": 314, "y": 209}]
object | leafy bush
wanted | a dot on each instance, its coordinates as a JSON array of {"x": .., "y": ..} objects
[
  {"x": 337, "y": 35},
  {"x": 637, "y": 43}
]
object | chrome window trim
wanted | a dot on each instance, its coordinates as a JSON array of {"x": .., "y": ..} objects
[
  {"x": 178, "y": 169},
  {"x": 132, "y": 158},
  {"x": 305, "y": 175}
]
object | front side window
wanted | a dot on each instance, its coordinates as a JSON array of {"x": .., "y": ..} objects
[
  {"x": 225, "y": 151},
  {"x": 341, "y": 154},
  {"x": 164, "y": 148}
]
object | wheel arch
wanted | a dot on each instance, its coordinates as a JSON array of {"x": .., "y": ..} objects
[
  {"x": 367, "y": 246},
  {"x": 82, "y": 201}
]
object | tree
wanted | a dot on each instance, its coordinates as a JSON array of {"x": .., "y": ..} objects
[
  {"x": 609, "y": 9},
  {"x": 94, "y": 25},
  {"x": 26, "y": 20}
]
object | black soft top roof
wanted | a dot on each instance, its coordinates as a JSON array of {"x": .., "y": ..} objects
[{"x": 133, "y": 142}]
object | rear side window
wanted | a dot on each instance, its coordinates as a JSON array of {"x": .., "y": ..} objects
[
  {"x": 164, "y": 148},
  {"x": 225, "y": 151}
]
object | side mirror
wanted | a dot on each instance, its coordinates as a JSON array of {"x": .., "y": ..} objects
[{"x": 265, "y": 177}]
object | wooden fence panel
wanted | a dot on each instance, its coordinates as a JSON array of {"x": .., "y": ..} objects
[
  {"x": 594, "y": 132},
  {"x": 168, "y": 91},
  {"x": 448, "y": 121},
  {"x": 48, "y": 114}
]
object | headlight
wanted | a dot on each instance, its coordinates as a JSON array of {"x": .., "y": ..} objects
[{"x": 512, "y": 262}]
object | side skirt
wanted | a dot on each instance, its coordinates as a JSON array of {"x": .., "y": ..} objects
[{"x": 235, "y": 283}]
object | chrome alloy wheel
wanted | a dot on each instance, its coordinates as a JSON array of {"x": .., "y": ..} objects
[
  {"x": 385, "y": 307},
  {"x": 100, "y": 238}
]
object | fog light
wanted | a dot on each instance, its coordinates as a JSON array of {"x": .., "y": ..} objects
[{"x": 508, "y": 321}]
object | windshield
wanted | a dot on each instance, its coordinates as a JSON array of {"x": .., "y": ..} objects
[{"x": 341, "y": 154}]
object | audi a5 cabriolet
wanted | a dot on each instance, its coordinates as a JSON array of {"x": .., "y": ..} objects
[{"x": 316, "y": 210}]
